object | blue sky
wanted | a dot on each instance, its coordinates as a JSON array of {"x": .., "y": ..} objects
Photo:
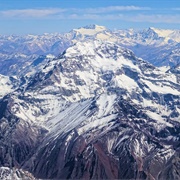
[{"x": 40, "y": 16}]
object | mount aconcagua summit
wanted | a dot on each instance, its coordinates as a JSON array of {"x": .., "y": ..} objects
[{"x": 94, "y": 112}]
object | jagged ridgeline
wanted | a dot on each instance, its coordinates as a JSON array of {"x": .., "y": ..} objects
[
  {"x": 22, "y": 54},
  {"x": 94, "y": 112}
]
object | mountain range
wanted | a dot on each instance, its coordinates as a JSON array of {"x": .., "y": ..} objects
[
  {"x": 95, "y": 111},
  {"x": 160, "y": 47}
]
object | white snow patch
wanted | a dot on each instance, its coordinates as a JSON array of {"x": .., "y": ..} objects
[
  {"x": 94, "y": 123},
  {"x": 158, "y": 118},
  {"x": 161, "y": 89},
  {"x": 105, "y": 104},
  {"x": 5, "y": 86},
  {"x": 164, "y": 68},
  {"x": 125, "y": 82}
]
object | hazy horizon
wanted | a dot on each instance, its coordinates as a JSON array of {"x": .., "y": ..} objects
[{"x": 35, "y": 17}]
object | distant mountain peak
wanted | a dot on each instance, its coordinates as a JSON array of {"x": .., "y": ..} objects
[
  {"x": 91, "y": 29},
  {"x": 94, "y": 26},
  {"x": 162, "y": 32}
]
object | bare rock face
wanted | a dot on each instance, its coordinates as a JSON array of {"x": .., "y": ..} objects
[
  {"x": 95, "y": 112},
  {"x": 18, "y": 137}
]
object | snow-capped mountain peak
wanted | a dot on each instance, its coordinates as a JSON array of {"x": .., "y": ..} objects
[
  {"x": 94, "y": 47},
  {"x": 167, "y": 34},
  {"x": 95, "y": 112},
  {"x": 91, "y": 31},
  {"x": 91, "y": 67},
  {"x": 162, "y": 32},
  {"x": 95, "y": 27},
  {"x": 91, "y": 28}
]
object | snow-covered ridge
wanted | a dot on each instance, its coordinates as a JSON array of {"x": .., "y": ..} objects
[
  {"x": 168, "y": 34},
  {"x": 163, "y": 32}
]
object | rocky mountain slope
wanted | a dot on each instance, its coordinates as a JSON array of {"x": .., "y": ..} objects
[
  {"x": 159, "y": 47},
  {"x": 95, "y": 112},
  {"x": 15, "y": 174}
]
